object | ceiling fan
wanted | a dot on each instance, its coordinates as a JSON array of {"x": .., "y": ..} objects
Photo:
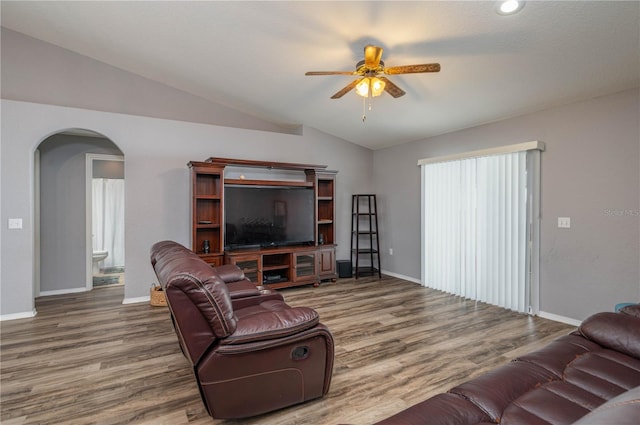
[{"x": 371, "y": 73}]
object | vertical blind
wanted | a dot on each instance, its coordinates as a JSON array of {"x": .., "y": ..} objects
[{"x": 475, "y": 239}]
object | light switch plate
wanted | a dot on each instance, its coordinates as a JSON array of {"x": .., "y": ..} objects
[
  {"x": 15, "y": 223},
  {"x": 564, "y": 222}
]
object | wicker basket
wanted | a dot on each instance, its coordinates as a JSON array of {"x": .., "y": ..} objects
[{"x": 157, "y": 296}]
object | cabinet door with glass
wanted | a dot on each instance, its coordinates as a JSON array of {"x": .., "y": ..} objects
[
  {"x": 250, "y": 264},
  {"x": 305, "y": 266}
]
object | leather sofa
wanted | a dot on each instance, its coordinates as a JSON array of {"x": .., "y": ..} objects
[
  {"x": 251, "y": 353},
  {"x": 589, "y": 377}
]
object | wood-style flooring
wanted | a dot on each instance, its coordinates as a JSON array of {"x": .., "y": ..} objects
[{"x": 88, "y": 359}]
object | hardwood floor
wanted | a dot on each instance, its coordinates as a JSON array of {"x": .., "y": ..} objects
[{"x": 88, "y": 359}]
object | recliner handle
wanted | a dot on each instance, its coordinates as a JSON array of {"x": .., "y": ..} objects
[{"x": 300, "y": 353}]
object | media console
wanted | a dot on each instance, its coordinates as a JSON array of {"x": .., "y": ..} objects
[{"x": 276, "y": 266}]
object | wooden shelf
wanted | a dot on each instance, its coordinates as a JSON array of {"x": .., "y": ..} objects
[
  {"x": 206, "y": 206},
  {"x": 223, "y": 162},
  {"x": 207, "y": 226},
  {"x": 285, "y": 183},
  {"x": 270, "y": 268}
]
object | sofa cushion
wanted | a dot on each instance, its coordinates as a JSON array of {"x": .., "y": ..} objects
[
  {"x": 162, "y": 249},
  {"x": 605, "y": 373},
  {"x": 493, "y": 391},
  {"x": 556, "y": 402},
  {"x": 555, "y": 356},
  {"x": 442, "y": 409},
  {"x": 619, "y": 332},
  {"x": 172, "y": 265},
  {"x": 270, "y": 319}
]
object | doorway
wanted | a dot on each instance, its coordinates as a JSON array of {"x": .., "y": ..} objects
[
  {"x": 105, "y": 219},
  {"x": 64, "y": 251}
]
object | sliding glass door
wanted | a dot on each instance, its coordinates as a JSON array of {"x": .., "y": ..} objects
[{"x": 479, "y": 219}]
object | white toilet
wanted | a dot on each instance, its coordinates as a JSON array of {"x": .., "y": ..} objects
[{"x": 98, "y": 256}]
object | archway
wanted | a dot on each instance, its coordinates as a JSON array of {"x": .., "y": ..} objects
[{"x": 63, "y": 239}]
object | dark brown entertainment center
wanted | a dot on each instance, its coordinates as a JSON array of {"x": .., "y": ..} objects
[{"x": 271, "y": 266}]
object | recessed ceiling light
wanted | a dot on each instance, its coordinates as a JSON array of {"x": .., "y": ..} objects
[{"x": 509, "y": 7}]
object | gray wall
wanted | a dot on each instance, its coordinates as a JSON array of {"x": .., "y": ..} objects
[
  {"x": 157, "y": 191},
  {"x": 62, "y": 209},
  {"x": 35, "y": 71},
  {"x": 590, "y": 172},
  {"x": 47, "y": 90},
  {"x": 591, "y": 167}
]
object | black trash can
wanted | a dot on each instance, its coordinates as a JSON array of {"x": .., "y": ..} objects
[{"x": 344, "y": 268}]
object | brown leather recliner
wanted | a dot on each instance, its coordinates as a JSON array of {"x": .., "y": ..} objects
[{"x": 251, "y": 354}]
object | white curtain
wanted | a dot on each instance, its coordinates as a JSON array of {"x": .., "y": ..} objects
[
  {"x": 108, "y": 220},
  {"x": 475, "y": 240}
]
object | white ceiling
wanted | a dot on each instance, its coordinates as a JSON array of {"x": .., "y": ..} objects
[{"x": 252, "y": 56}]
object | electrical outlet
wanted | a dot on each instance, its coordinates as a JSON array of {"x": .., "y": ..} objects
[
  {"x": 390, "y": 251},
  {"x": 564, "y": 222}
]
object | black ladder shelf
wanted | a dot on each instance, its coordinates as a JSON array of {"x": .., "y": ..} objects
[{"x": 364, "y": 235}]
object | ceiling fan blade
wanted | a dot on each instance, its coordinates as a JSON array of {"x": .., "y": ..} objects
[
  {"x": 330, "y": 73},
  {"x": 345, "y": 89},
  {"x": 391, "y": 88},
  {"x": 372, "y": 56},
  {"x": 413, "y": 69}
]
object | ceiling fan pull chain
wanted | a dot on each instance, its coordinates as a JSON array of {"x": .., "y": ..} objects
[{"x": 364, "y": 109}]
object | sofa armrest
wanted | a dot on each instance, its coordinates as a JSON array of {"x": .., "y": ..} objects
[
  {"x": 244, "y": 302},
  {"x": 275, "y": 320},
  {"x": 622, "y": 410},
  {"x": 229, "y": 273},
  {"x": 631, "y": 310},
  {"x": 242, "y": 289}
]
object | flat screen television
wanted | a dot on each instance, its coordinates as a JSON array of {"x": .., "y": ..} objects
[{"x": 264, "y": 216}]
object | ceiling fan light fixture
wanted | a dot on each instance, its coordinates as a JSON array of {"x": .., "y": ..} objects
[
  {"x": 377, "y": 86},
  {"x": 362, "y": 88},
  {"x": 370, "y": 86},
  {"x": 509, "y": 7}
]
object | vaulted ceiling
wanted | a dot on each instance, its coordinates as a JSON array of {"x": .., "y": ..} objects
[{"x": 252, "y": 56}]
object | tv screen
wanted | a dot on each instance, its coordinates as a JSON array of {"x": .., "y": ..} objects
[{"x": 262, "y": 216}]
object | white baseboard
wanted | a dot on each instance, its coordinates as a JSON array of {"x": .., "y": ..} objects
[
  {"x": 557, "y": 318},
  {"x": 14, "y": 316},
  {"x": 401, "y": 276},
  {"x": 62, "y": 291},
  {"x": 136, "y": 300}
]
